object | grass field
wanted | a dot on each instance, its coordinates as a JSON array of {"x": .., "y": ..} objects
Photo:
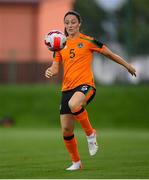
[
  {"x": 38, "y": 106},
  {"x": 33, "y": 147},
  {"x": 40, "y": 153}
]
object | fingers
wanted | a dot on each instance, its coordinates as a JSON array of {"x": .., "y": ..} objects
[
  {"x": 48, "y": 73},
  {"x": 134, "y": 74},
  {"x": 132, "y": 70}
]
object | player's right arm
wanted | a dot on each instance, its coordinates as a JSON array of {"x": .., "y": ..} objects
[{"x": 52, "y": 70}]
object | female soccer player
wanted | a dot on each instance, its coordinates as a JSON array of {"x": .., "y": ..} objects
[{"x": 78, "y": 87}]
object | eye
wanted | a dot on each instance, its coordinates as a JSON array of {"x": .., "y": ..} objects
[
  {"x": 73, "y": 22},
  {"x": 66, "y": 22}
]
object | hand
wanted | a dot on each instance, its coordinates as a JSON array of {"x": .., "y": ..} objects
[
  {"x": 131, "y": 70},
  {"x": 49, "y": 73}
]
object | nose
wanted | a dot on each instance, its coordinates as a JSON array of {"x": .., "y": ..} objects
[{"x": 70, "y": 26}]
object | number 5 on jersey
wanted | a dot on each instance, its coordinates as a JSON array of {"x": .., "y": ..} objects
[{"x": 72, "y": 53}]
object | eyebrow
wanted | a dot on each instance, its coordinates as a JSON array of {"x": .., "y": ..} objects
[{"x": 70, "y": 20}]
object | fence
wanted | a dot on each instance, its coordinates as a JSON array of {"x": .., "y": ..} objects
[{"x": 25, "y": 73}]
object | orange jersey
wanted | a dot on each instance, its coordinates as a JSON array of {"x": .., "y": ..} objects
[{"x": 77, "y": 59}]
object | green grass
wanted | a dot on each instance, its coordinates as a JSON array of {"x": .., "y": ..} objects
[
  {"x": 38, "y": 106},
  {"x": 40, "y": 153},
  {"x": 33, "y": 147}
]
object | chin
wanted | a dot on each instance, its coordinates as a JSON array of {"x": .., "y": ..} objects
[{"x": 71, "y": 33}]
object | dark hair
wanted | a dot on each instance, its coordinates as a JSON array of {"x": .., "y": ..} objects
[{"x": 78, "y": 16}]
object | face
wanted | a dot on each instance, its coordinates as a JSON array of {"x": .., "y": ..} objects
[{"x": 72, "y": 24}]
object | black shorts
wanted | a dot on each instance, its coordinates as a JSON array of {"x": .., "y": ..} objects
[{"x": 89, "y": 92}]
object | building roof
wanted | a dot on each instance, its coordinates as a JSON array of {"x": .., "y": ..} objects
[{"x": 19, "y": 1}]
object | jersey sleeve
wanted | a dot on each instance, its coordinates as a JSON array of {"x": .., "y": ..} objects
[
  {"x": 96, "y": 45},
  {"x": 57, "y": 56}
]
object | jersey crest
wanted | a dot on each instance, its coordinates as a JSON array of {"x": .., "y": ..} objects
[{"x": 80, "y": 45}]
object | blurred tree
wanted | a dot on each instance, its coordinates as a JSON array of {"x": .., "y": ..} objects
[
  {"x": 133, "y": 29},
  {"x": 131, "y": 23},
  {"x": 92, "y": 17}
]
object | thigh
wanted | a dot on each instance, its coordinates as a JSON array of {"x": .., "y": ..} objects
[
  {"x": 67, "y": 123},
  {"x": 83, "y": 95},
  {"x": 78, "y": 99}
]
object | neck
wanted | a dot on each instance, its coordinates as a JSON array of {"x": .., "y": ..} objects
[{"x": 72, "y": 36}]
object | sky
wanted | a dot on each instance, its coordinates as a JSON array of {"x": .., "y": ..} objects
[{"x": 110, "y": 5}]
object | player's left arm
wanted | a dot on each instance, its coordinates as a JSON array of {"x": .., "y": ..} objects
[{"x": 108, "y": 53}]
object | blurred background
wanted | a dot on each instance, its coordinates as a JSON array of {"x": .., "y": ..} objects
[
  {"x": 121, "y": 24},
  {"x": 29, "y": 99}
]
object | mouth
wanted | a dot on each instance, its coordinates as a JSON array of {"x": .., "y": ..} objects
[{"x": 70, "y": 30}]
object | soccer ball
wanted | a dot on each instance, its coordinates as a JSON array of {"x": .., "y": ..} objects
[{"x": 55, "y": 40}]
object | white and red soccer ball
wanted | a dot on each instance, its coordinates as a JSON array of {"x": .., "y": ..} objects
[{"x": 55, "y": 40}]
